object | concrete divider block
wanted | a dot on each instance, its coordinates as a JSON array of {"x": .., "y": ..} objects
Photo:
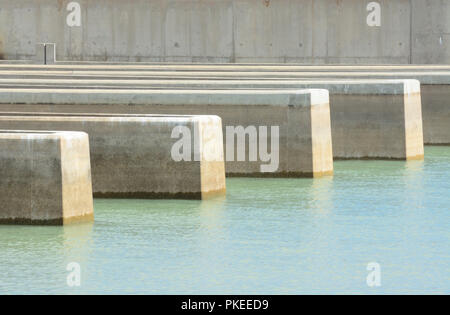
[
  {"x": 45, "y": 178},
  {"x": 381, "y": 121},
  {"x": 134, "y": 156},
  {"x": 298, "y": 122}
]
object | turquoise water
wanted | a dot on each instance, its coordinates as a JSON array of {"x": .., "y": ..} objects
[{"x": 269, "y": 236}]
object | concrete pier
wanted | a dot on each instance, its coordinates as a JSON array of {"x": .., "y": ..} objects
[
  {"x": 301, "y": 118},
  {"x": 132, "y": 154},
  {"x": 368, "y": 117},
  {"x": 45, "y": 178}
]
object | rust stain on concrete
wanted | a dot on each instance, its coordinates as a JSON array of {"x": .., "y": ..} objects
[{"x": 60, "y": 4}]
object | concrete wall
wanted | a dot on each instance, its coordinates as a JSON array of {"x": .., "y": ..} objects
[
  {"x": 310, "y": 31},
  {"x": 45, "y": 178},
  {"x": 131, "y": 155},
  {"x": 302, "y": 117}
]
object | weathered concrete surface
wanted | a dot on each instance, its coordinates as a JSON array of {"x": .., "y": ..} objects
[
  {"x": 350, "y": 85},
  {"x": 39, "y": 56},
  {"x": 434, "y": 87},
  {"x": 310, "y": 31},
  {"x": 131, "y": 155},
  {"x": 215, "y": 67},
  {"x": 45, "y": 178},
  {"x": 302, "y": 117},
  {"x": 425, "y": 77},
  {"x": 436, "y": 110},
  {"x": 435, "y": 91},
  {"x": 365, "y": 117},
  {"x": 436, "y": 113}
]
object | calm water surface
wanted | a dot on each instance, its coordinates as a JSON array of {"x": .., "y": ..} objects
[{"x": 269, "y": 236}]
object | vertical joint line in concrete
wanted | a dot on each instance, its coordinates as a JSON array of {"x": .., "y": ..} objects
[
  {"x": 410, "y": 31},
  {"x": 233, "y": 35}
]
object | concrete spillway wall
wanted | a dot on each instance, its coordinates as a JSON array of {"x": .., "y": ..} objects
[
  {"x": 310, "y": 31},
  {"x": 45, "y": 178}
]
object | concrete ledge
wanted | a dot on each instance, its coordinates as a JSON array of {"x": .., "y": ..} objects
[
  {"x": 20, "y": 65},
  {"x": 425, "y": 76},
  {"x": 45, "y": 178},
  {"x": 301, "y": 152},
  {"x": 131, "y": 154},
  {"x": 349, "y": 86}
]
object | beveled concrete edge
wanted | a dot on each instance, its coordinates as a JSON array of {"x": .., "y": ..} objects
[{"x": 21, "y": 134}]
